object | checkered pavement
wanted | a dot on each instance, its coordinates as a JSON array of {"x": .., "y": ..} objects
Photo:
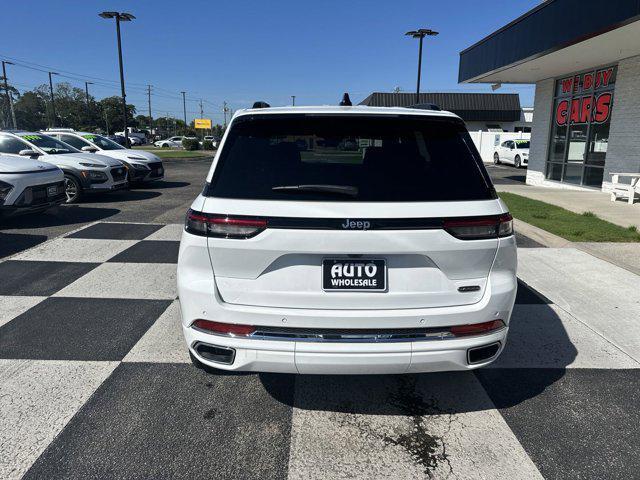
[{"x": 95, "y": 382}]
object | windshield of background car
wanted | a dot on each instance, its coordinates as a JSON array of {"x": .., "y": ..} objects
[
  {"x": 12, "y": 145},
  {"x": 103, "y": 142},
  {"x": 384, "y": 158},
  {"x": 49, "y": 144},
  {"x": 522, "y": 143}
]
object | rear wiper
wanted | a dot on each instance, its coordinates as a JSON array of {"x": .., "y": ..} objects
[{"x": 339, "y": 189}]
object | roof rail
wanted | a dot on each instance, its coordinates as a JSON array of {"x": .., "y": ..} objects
[
  {"x": 426, "y": 106},
  {"x": 261, "y": 105}
]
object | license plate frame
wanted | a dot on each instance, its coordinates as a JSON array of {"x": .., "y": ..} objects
[{"x": 361, "y": 271}]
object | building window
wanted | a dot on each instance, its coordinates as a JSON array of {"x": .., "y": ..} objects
[{"x": 582, "y": 108}]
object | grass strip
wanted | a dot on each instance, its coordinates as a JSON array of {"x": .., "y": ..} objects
[{"x": 586, "y": 227}]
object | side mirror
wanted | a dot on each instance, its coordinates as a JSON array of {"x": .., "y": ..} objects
[
  {"x": 29, "y": 153},
  {"x": 89, "y": 148}
]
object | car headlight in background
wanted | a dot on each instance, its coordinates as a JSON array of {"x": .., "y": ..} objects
[
  {"x": 94, "y": 176},
  {"x": 5, "y": 190},
  {"x": 93, "y": 165},
  {"x": 140, "y": 166}
]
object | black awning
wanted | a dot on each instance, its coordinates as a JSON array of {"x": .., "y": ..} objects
[
  {"x": 478, "y": 107},
  {"x": 550, "y": 26}
]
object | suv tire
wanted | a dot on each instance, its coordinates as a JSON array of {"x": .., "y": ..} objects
[
  {"x": 517, "y": 162},
  {"x": 496, "y": 159},
  {"x": 72, "y": 188}
]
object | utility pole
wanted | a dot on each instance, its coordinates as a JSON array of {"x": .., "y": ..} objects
[
  {"x": 184, "y": 110},
  {"x": 106, "y": 119},
  {"x": 293, "y": 100},
  {"x": 86, "y": 91},
  {"x": 53, "y": 101},
  {"x": 121, "y": 17},
  {"x": 6, "y": 90},
  {"x": 225, "y": 110},
  {"x": 420, "y": 34},
  {"x": 150, "y": 117},
  {"x": 202, "y": 116}
]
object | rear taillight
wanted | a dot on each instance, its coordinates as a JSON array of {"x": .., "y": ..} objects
[
  {"x": 476, "y": 328},
  {"x": 222, "y": 226},
  {"x": 478, "y": 228},
  {"x": 231, "y": 329}
]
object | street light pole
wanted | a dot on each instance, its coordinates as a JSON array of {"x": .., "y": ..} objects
[
  {"x": 124, "y": 17},
  {"x": 53, "y": 101},
  {"x": 293, "y": 100},
  {"x": 420, "y": 34},
  {"x": 184, "y": 110},
  {"x": 150, "y": 117},
  {"x": 6, "y": 90}
]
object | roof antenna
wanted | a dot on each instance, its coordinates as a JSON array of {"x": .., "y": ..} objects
[{"x": 346, "y": 101}]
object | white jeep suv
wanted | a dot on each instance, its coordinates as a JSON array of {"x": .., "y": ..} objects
[{"x": 346, "y": 240}]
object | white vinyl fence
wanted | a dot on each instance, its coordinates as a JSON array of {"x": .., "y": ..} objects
[{"x": 486, "y": 142}]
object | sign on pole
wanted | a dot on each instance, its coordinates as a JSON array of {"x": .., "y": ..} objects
[{"x": 204, "y": 123}]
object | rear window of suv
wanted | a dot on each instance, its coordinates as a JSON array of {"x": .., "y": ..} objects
[{"x": 383, "y": 158}]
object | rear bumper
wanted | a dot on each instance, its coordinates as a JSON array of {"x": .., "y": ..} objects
[
  {"x": 199, "y": 299},
  {"x": 346, "y": 358}
]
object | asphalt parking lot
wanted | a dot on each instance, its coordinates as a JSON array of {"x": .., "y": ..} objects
[
  {"x": 158, "y": 202},
  {"x": 95, "y": 381}
]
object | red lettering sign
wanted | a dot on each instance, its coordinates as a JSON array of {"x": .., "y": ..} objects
[
  {"x": 567, "y": 85},
  {"x": 586, "y": 108},
  {"x": 588, "y": 81},
  {"x": 603, "y": 108},
  {"x": 575, "y": 110},
  {"x": 587, "y": 102},
  {"x": 561, "y": 112}
]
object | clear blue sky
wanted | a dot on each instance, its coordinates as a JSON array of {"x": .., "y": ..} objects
[{"x": 241, "y": 51}]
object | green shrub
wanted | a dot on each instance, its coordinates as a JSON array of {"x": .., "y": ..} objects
[
  {"x": 207, "y": 145},
  {"x": 190, "y": 144}
]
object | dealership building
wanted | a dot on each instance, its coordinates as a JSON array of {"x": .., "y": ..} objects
[
  {"x": 584, "y": 58},
  {"x": 487, "y": 112}
]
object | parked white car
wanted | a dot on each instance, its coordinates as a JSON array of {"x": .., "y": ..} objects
[
  {"x": 142, "y": 166},
  {"x": 299, "y": 256},
  {"x": 515, "y": 152},
  {"x": 135, "y": 138},
  {"x": 212, "y": 139},
  {"x": 28, "y": 185},
  {"x": 171, "y": 142},
  {"x": 84, "y": 172}
]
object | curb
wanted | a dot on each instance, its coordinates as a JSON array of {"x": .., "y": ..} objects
[
  {"x": 553, "y": 241},
  {"x": 541, "y": 236}
]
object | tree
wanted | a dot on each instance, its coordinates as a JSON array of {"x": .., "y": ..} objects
[
  {"x": 71, "y": 106},
  {"x": 217, "y": 131},
  {"x": 5, "y": 110},
  {"x": 111, "y": 108},
  {"x": 31, "y": 111}
]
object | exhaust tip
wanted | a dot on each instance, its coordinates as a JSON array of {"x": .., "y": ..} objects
[
  {"x": 214, "y": 353},
  {"x": 482, "y": 354}
]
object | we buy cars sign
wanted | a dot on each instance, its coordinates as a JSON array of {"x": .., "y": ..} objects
[{"x": 585, "y": 106}]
